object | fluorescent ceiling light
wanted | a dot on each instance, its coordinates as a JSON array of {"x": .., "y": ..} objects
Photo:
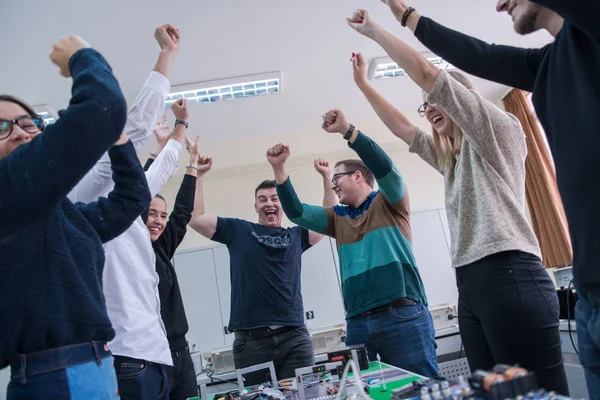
[
  {"x": 48, "y": 113},
  {"x": 385, "y": 67},
  {"x": 228, "y": 89}
]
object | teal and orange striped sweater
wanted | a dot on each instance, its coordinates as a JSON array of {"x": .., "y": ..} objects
[{"x": 377, "y": 264}]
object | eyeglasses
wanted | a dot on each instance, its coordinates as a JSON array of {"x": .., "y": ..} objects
[
  {"x": 32, "y": 123},
  {"x": 336, "y": 177},
  {"x": 423, "y": 108}
]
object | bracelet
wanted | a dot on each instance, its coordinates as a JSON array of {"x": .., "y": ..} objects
[
  {"x": 405, "y": 16},
  {"x": 182, "y": 122},
  {"x": 190, "y": 165},
  {"x": 153, "y": 154}
]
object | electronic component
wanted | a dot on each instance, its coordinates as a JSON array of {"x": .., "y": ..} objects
[{"x": 346, "y": 354}]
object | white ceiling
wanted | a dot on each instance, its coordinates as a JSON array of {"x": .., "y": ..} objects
[{"x": 307, "y": 40}]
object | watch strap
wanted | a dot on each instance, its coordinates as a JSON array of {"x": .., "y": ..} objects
[
  {"x": 182, "y": 122},
  {"x": 349, "y": 133}
]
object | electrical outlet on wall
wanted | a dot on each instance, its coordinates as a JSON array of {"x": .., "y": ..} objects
[{"x": 310, "y": 315}]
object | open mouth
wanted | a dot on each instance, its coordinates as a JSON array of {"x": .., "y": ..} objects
[
  {"x": 154, "y": 229},
  {"x": 436, "y": 119},
  {"x": 271, "y": 213}
]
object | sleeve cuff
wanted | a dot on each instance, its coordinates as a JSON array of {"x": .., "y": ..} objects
[
  {"x": 361, "y": 139},
  {"x": 122, "y": 153},
  {"x": 415, "y": 145},
  {"x": 173, "y": 145},
  {"x": 189, "y": 180},
  {"x": 440, "y": 81},
  {"x": 158, "y": 82}
]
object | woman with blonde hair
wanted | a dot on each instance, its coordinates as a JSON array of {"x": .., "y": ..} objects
[{"x": 508, "y": 308}]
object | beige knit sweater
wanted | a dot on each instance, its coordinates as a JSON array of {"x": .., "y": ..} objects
[{"x": 485, "y": 191}]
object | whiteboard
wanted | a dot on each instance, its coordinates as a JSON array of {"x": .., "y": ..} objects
[{"x": 432, "y": 253}]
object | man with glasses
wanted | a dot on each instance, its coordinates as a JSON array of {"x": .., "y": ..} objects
[{"x": 386, "y": 306}]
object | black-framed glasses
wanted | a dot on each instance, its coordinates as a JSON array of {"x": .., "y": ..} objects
[
  {"x": 30, "y": 123},
  {"x": 423, "y": 108},
  {"x": 336, "y": 177}
]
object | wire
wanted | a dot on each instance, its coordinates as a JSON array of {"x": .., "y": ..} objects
[
  {"x": 569, "y": 317},
  {"x": 351, "y": 364}
]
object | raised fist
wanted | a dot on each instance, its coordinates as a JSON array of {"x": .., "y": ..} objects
[
  {"x": 63, "y": 50},
  {"x": 335, "y": 122},
  {"x": 167, "y": 37},
  {"x": 278, "y": 154}
]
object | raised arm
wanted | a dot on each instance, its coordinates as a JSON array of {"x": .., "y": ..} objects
[
  {"x": 175, "y": 228},
  {"x": 39, "y": 174},
  {"x": 512, "y": 66},
  {"x": 396, "y": 122},
  {"x": 110, "y": 216},
  {"x": 145, "y": 110},
  {"x": 313, "y": 218},
  {"x": 580, "y": 13},
  {"x": 330, "y": 199},
  {"x": 206, "y": 225},
  {"x": 376, "y": 160}
]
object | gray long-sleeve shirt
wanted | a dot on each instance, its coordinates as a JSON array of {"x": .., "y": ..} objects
[{"x": 485, "y": 191}]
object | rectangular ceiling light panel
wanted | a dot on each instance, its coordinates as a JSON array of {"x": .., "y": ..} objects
[
  {"x": 384, "y": 67},
  {"x": 228, "y": 89}
]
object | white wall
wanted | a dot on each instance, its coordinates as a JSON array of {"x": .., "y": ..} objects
[{"x": 230, "y": 192}]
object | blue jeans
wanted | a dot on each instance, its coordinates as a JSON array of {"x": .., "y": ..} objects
[
  {"x": 141, "y": 380},
  {"x": 587, "y": 316},
  {"x": 404, "y": 337},
  {"x": 77, "y": 372}
]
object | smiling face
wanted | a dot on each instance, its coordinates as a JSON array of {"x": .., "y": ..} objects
[
  {"x": 157, "y": 218},
  {"x": 524, "y": 13},
  {"x": 12, "y": 135},
  {"x": 439, "y": 120},
  {"x": 268, "y": 208}
]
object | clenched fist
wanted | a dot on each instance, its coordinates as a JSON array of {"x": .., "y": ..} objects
[
  {"x": 63, "y": 50},
  {"x": 278, "y": 154}
]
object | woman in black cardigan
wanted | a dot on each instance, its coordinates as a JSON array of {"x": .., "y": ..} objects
[{"x": 166, "y": 233}]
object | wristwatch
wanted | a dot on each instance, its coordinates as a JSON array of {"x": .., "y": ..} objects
[
  {"x": 182, "y": 122},
  {"x": 348, "y": 134},
  {"x": 190, "y": 165}
]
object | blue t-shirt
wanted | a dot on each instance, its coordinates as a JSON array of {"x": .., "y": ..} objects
[{"x": 265, "y": 273}]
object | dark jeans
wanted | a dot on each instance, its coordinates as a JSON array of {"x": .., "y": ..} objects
[
  {"x": 587, "y": 316},
  {"x": 77, "y": 372},
  {"x": 182, "y": 376},
  {"x": 141, "y": 380},
  {"x": 288, "y": 351},
  {"x": 403, "y": 337},
  {"x": 508, "y": 314}
]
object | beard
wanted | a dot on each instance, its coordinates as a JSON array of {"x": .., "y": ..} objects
[{"x": 526, "y": 23}]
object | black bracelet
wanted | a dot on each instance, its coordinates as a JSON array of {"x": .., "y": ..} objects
[
  {"x": 406, "y": 14},
  {"x": 182, "y": 122}
]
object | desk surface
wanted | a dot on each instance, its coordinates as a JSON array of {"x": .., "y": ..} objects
[{"x": 394, "y": 378}]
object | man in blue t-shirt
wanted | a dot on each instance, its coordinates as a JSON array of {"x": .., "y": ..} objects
[{"x": 267, "y": 314}]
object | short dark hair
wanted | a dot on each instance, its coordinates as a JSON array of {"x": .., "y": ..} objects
[
  {"x": 357, "y": 165},
  {"x": 266, "y": 184},
  {"x": 15, "y": 100}
]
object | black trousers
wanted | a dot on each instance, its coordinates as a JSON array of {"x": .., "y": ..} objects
[
  {"x": 182, "y": 376},
  {"x": 508, "y": 314},
  {"x": 290, "y": 349}
]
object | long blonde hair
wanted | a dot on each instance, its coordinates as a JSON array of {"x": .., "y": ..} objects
[{"x": 448, "y": 147}]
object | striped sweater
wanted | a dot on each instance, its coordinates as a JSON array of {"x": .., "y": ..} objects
[{"x": 377, "y": 264}]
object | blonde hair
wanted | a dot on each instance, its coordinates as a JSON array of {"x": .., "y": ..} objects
[{"x": 447, "y": 147}]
